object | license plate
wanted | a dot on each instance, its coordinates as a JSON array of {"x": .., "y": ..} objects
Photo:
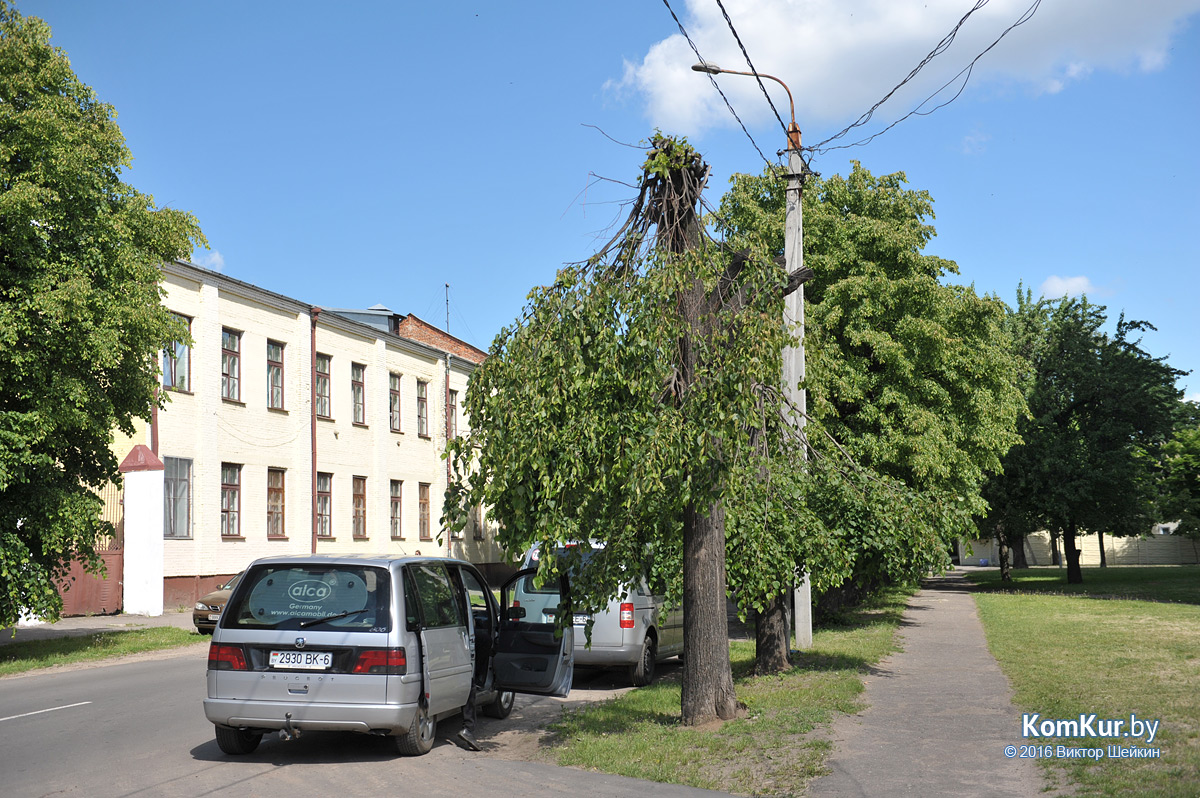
[
  {"x": 304, "y": 660},
  {"x": 581, "y": 619},
  {"x": 214, "y": 616}
]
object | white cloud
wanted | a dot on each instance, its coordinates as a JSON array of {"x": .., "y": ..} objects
[
  {"x": 975, "y": 143},
  {"x": 1193, "y": 397},
  {"x": 1056, "y": 287},
  {"x": 840, "y": 56},
  {"x": 211, "y": 259}
]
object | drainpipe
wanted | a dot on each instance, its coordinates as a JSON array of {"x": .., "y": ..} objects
[
  {"x": 446, "y": 412},
  {"x": 154, "y": 422},
  {"x": 313, "y": 313}
]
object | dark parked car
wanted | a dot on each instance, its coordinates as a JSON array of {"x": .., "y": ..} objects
[{"x": 207, "y": 611}]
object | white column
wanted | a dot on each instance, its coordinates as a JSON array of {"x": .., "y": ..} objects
[{"x": 143, "y": 558}]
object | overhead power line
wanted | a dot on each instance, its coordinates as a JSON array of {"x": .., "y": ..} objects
[{"x": 750, "y": 64}]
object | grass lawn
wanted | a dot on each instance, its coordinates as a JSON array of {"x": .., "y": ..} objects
[
  {"x": 28, "y": 655},
  {"x": 1067, "y": 652},
  {"x": 768, "y": 752}
]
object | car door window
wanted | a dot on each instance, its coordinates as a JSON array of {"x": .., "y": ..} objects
[{"x": 440, "y": 603}]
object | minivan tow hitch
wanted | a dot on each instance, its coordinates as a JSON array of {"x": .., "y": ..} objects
[{"x": 288, "y": 732}]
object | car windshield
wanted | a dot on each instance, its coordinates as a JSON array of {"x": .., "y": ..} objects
[{"x": 348, "y": 597}]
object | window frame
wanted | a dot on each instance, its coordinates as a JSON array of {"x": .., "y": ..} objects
[
  {"x": 395, "y": 406},
  {"x": 324, "y": 506},
  {"x": 452, "y": 413},
  {"x": 231, "y": 494},
  {"x": 277, "y": 505},
  {"x": 231, "y": 365},
  {"x": 423, "y": 408},
  {"x": 170, "y": 373},
  {"x": 358, "y": 503},
  {"x": 358, "y": 393},
  {"x": 168, "y": 480},
  {"x": 396, "y": 508},
  {"x": 275, "y": 367},
  {"x": 321, "y": 387},
  {"x": 423, "y": 511}
]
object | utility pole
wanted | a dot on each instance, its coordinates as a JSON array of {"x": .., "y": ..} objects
[{"x": 793, "y": 315}]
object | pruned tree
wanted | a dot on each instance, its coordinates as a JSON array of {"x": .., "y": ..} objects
[{"x": 81, "y": 322}]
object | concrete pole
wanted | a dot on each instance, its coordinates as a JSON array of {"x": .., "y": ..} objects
[
  {"x": 142, "y": 574},
  {"x": 793, "y": 357}
]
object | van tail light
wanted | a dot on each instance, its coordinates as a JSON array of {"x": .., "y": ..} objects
[
  {"x": 226, "y": 658},
  {"x": 627, "y": 616},
  {"x": 390, "y": 661}
]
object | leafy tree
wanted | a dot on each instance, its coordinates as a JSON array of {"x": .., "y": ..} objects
[
  {"x": 1179, "y": 488},
  {"x": 620, "y": 407},
  {"x": 80, "y": 316},
  {"x": 911, "y": 377},
  {"x": 1099, "y": 408}
]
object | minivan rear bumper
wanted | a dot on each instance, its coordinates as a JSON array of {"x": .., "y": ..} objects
[{"x": 389, "y": 718}]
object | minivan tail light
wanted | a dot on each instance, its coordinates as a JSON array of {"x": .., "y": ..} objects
[
  {"x": 226, "y": 658},
  {"x": 390, "y": 661},
  {"x": 627, "y": 616}
]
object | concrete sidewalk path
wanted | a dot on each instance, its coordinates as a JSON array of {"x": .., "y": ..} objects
[
  {"x": 939, "y": 713},
  {"x": 83, "y": 625}
]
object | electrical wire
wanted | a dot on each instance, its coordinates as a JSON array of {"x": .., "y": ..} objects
[
  {"x": 712, "y": 80},
  {"x": 964, "y": 73},
  {"x": 751, "y": 65}
]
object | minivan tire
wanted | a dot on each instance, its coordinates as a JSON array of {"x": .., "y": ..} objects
[
  {"x": 501, "y": 706},
  {"x": 419, "y": 739},
  {"x": 641, "y": 673},
  {"x": 237, "y": 742}
]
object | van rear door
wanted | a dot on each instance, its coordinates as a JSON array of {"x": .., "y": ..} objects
[{"x": 534, "y": 652}]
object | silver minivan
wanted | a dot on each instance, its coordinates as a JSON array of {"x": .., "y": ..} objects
[
  {"x": 635, "y": 631},
  {"x": 378, "y": 645}
]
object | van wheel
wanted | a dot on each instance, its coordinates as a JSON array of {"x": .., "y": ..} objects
[
  {"x": 642, "y": 672},
  {"x": 419, "y": 739},
  {"x": 237, "y": 741},
  {"x": 501, "y": 706}
]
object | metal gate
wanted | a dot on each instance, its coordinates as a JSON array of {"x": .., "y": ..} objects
[{"x": 89, "y": 594}]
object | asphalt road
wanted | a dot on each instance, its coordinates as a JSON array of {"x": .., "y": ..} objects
[{"x": 138, "y": 729}]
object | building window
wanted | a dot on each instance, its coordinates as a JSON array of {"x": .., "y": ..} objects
[
  {"x": 452, "y": 414},
  {"x": 275, "y": 502},
  {"x": 231, "y": 500},
  {"x": 397, "y": 510},
  {"x": 423, "y": 503},
  {"x": 423, "y": 409},
  {"x": 324, "y": 505},
  {"x": 177, "y": 497},
  {"x": 177, "y": 361},
  {"x": 360, "y": 507},
  {"x": 231, "y": 344},
  {"x": 358, "y": 392},
  {"x": 394, "y": 402},
  {"x": 275, "y": 375},
  {"x": 324, "y": 409}
]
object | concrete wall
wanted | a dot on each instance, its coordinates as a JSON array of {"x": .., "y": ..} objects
[{"x": 1152, "y": 549}]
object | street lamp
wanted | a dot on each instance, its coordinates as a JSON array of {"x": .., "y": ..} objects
[{"x": 793, "y": 310}]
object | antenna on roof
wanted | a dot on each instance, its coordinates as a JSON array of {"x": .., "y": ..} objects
[{"x": 447, "y": 308}]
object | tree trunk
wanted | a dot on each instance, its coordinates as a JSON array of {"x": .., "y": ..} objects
[
  {"x": 1055, "y": 557},
  {"x": 771, "y": 638},
  {"x": 1002, "y": 545},
  {"x": 1018, "y": 553},
  {"x": 708, "y": 693},
  {"x": 1074, "y": 572},
  {"x": 1103, "y": 558}
]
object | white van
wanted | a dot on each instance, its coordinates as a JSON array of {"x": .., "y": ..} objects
[
  {"x": 636, "y": 631},
  {"x": 377, "y": 645}
]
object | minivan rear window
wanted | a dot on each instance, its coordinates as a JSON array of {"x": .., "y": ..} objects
[{"x": 320, "y": 597}]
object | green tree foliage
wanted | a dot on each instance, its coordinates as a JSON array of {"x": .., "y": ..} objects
[
  {"x": 1179, "y": 486},
  {"x": 1100, "y": 407},
  {"x": 913, "y": 378},
  {"x": 80, "y": 316}
]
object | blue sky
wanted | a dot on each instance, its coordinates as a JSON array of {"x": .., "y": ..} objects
[{"x": 370, "y": 152}]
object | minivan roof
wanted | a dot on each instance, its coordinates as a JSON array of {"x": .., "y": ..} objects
[{"x": 383, "y": 560}]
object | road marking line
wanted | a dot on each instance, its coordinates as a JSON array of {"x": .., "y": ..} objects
[{"x": 40, "y": 711}]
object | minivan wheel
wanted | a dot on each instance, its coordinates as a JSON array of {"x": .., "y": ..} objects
[
  {"x": 501, "y": 706},
  {"x": 642, "y": 672},
  {"x": 419, "y": 739},
  {"x": 237, "y": 741}
]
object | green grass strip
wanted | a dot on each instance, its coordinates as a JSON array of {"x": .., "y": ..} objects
[{"x": 28, "y": 655}]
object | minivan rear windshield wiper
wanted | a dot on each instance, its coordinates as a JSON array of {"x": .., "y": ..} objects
[{"x": 315, "y": 621}]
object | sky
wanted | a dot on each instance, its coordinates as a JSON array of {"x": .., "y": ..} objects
[{"x": 373, "y": 152}]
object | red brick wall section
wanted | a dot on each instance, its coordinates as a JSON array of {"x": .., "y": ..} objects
[{"x": 413, "y": 328}]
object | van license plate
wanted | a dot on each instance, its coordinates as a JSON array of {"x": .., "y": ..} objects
[
  {"x": 305, "y": 660},
  {"x": 581, "y": 619}
]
